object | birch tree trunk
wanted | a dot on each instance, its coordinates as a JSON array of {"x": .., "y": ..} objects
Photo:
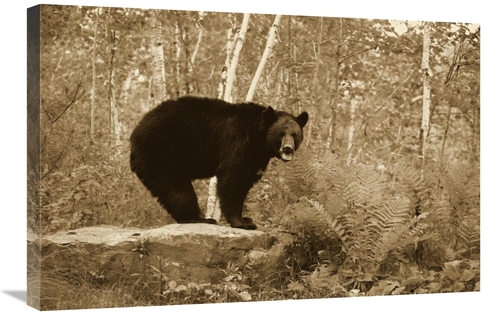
[
  {"x": 426, "y": 93},
  {"x": 426, "y": 101},
  {"x": 200, "y": 28},
  {"x": 192, "y": 81},
  {"x": 278, "y": 93},
  {"x": 269, "y": 46},
  {"x": 309, "y": 128},
  {"x": 213, "y": 207},
  {"x": 332, "y": 129},
  {"x": 448, "y": 121},
  {"x": 353, "y": 102},
  {"x": 114, "y": 123},
  {"x": 94, "y": 77},
  {"x": 177, "y": 58},
  {"x": 315, "y": 81},
  {"x": 159, "y": 89},
  {"x": 229, "y": 52},
  {"x": 236, "y": 55}
]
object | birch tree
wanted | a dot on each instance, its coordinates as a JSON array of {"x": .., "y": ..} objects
[
  {"x": 93, "y": 93},
  {"x": 229, "y": 52},
  {"x": 159, "y": 89},
  {"x": 200, "y": 28},
  {"x": 114, "y": 123},
  {"x": 332, "y": 127},
  {"x": 353, "y": 102},
  {"x": 315, "y": 81},
  {"x": 426, "y": 100},
  {"x": 177, "y": 57},
  {"x": 231, "y": 73},
  {"x": 269, "y": 46}
]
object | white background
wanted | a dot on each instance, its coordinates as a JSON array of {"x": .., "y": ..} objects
[{"x": 13, "y": 153}]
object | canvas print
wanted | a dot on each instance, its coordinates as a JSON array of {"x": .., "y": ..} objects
[{"x": 190, "y": 157}]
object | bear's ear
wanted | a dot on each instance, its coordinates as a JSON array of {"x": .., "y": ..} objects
[
  {"x": 269, "y": 115},
  {"x": 303, "y": 118}
]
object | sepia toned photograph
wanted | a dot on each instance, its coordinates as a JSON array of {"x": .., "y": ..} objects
[{"x": 197, "y": 157}]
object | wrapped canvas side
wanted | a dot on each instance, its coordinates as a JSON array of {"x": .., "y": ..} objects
[{"x": 33, "y": 170}]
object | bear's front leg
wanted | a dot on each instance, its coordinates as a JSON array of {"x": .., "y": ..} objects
[{"x": 232, "y": 191}]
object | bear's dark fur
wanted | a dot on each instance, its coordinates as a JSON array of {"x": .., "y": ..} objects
[{"x": 192, "y": 138}]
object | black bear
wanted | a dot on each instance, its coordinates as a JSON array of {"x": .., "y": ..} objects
[{"x": 192, "y": 138}]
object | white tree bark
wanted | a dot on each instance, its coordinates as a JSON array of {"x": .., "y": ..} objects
[
  {"x": 231, "y": 73},
  {"x": 328, "y": 144},
  {"x": 159, "y": 84},
  {"x": 426, "y": 92},
  {"x": 229, "y": 51},
  {"x": 269, "y": 46},
  {"x": 92, "y": 102},
  {"x": 213, "y": 206},
  {"x": 177, "y": 58},
  {"x": 115, "y": 121},
  {"x": 114, "y": 124},
  {"x": 200, "y": 28},
  {"x": 309, "y": 127},
  {"x": 350, "y": 134}
]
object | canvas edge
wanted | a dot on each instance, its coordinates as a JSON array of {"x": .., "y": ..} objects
[{"x": 33, "y": 297}]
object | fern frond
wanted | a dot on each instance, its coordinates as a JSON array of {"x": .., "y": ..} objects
[
  {"x": 368, "y": 188},
  {"x": 468, "y": 232},
  {"x": 463, "y": 186},
  {"x": 393, "y": 212},
  {"x": 463, "y": 181},
  {"x": 421, "y": 186},
  {"x": 332, "y": 223}
]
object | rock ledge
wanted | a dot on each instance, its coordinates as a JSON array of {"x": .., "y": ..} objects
[{"x": 190, "y": 252}]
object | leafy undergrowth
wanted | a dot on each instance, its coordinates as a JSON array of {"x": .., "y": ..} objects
[
  {"x": 457, "y": 276},
  {"x": 242, "y": 285}
]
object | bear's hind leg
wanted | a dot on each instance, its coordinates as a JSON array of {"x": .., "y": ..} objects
[{"x": 179, "y": 199}]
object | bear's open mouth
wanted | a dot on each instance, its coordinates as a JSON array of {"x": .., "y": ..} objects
[{"x": 286, "y": 155}]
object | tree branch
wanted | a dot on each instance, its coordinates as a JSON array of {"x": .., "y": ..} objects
[
  {"x": 72, "y": 100},
  {"x": 60, "y": 155}
]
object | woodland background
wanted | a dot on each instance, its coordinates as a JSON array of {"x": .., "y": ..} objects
[{"x": 353, "y": 195}]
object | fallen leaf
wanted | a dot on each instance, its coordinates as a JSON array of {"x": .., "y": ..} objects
[
  {"x": 468, "y": 275},
  {"x": 180, "y": 288},
  {"x": 435, "y": 287},
  {"x": 412, "y": 281},
  {"x": 172, "y": 284},
  {"x": 245, "y": 296},
  {"x": 398, "y": 291},
  {"x": 296, "y": 286}
]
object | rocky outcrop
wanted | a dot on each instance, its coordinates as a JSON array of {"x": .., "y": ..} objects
[{"x": 190, "y": 252}]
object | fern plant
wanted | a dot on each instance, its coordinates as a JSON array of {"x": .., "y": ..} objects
[
  {"x": 356, "y": 220},
  {"x": 364, "y": 222}
]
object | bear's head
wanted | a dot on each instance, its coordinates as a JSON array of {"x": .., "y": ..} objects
[{"x": 284, "y": 133}]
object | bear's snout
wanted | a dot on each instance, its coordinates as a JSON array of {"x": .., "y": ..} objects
[{"x": 287, "y": 148}]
